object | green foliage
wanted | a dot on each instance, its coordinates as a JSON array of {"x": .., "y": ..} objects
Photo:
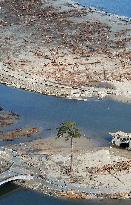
[{"x": 68, "y": 129}]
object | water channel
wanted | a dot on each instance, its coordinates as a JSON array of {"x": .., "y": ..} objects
[{"x": 96, "y": 118}]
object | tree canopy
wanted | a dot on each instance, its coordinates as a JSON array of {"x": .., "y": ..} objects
[{"x": 69, "y": 129}]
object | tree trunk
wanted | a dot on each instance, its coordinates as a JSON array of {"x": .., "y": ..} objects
[{"x": 71, "y": 166}]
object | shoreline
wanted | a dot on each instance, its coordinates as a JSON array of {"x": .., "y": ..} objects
[
  {"x": 73, "y": 53},
  {"x": 69, "y": 93},
  {"x": 72, "y": 194},
  {"x": 104, "y": 177},
  {"x": 95, "y": 9}
]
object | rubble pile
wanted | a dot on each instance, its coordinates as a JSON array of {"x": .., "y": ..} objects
[
  {"x": 51, "y": 49},
  {"x": 111, "y": 168}
]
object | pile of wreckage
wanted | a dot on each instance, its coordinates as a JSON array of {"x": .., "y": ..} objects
[{"x": 121, "y": 139}]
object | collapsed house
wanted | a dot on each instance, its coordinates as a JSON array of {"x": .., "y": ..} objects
[{"x": 121, "y": 139}]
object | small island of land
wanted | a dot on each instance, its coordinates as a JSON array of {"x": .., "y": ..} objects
[{"x": 97, "y": 172}]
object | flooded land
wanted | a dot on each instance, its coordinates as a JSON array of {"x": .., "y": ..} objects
[
  {"x": 99, "y": 170},
  {"x": 55, "y": 53}
]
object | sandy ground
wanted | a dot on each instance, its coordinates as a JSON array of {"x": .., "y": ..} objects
[
  {"x": 96, "y": 172},
  {"x": 56, "y": 48}
]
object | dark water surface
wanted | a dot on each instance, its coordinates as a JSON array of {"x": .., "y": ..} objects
[
  {"x": 119, "y": 7},
  {"x": 26, "y": 197},
  {"x": 94, "y": 117}
]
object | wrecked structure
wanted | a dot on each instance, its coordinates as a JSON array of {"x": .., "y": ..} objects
[{"x": 121, "y": 139}]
